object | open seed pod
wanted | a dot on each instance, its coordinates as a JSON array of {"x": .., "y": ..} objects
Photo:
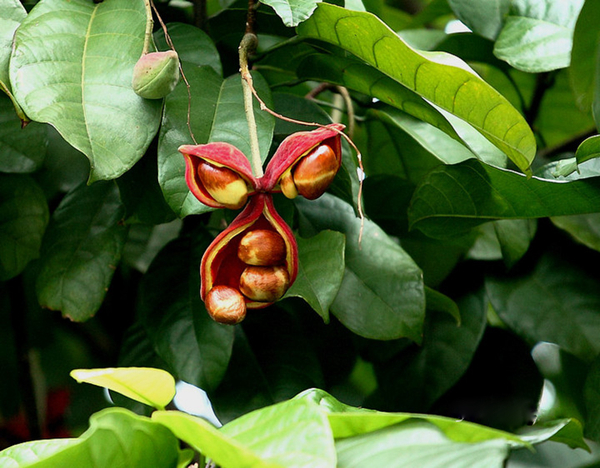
[
  {"x": 249, "y": 265},
  {"x": 305, "y": 163},
  {"x": 218, "y": 174}
]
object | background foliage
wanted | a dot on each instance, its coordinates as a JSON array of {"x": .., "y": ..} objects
[{"x": 472, "y": 295}]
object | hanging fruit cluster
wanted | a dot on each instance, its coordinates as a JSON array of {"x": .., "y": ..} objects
[{"x": 253, "y": 262}]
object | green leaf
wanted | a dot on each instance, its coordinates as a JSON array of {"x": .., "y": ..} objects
[
  {"x": 514, "y": 237},
  {"x": 195, "y": 347},
  {"x": 116, "y": 437},
  {"x": 23, "y": 219},
  {"x": 556, "y": 302},
  {"x": 566, "y": 431},
  {"x": 21, "y": 149},
  {"x": 81, "y": 250},
  {"x": 534, "y": 45},
  {"x": 381, "y": 295},
  {"x": 153, "y": 387},
  {"x": 72, "y": 66},
  {"x": 192, "y": 44},
  {"x": 320, "y": 270},
  {"x": 583, "y": 75},
  {"x": 583, "y": 228},
  {"x": 290, "y": 434},
  {"x": 27, "y": 453},
  {"x": 484, "y": 17},
  {"x": 418, "y": 443},
  {"x": 293, "y": 12},
  {"x": 592, "y": 401},
  {"x": 440, "y": 78},
  {"x": 588, "y": 149},
  {"x": 12, "y": 12},
  {"x": 453, "y": 199},
  {"x": 217, "y": 114}
]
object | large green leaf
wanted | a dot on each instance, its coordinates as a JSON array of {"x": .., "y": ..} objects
[
  {"x": 453, "y": 199},
  {"x": 217, "y": 114},
  {"x": 154, "y": 387},
  {"x": 557, "y": 302},
  {"x": 484, "y": 17},
  {"x": 583, "y": 74},
  {"x": 21, "y": 149},
  {"x": 320, "y": 270},
  {"x": 194, "y": 346},
  {"x": 116, "y": 437},
  {"x": 293, "y": 12},
  {"x": 23, "y": 219},
  {"x": 440, "y": 78},
  {"x": 72, "y": 67},
  {"x": 584, "y": 228},
  {"x": 12, "y": 12},
  {"x": 291, "y": 434},
  {"x": 81, "y": 250},
  {"x": 537, "y": 36},
  {"x": 382, "y": 295}
]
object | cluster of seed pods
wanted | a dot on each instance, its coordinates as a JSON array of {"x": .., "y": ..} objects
[{"x": 253, "y": 262}]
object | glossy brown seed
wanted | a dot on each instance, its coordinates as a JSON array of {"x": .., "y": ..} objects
[
  {"x": 315, "y": 172},
  {"x": 225, "y": 305},
  {"x": 262, "y": 247},
  {"x": 264, "y": 284},
  {"x": 223, "y": 184}
]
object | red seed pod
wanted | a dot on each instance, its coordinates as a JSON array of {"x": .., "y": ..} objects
[{"x": 221, "y": 264}]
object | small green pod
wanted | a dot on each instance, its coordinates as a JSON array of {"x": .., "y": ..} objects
[{"x": 156, "y": 74}]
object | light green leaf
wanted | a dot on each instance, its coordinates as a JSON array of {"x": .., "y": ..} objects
[
  {"x": 116, "y": 438},
  {"x": 453, "y": 199},
  {"x": 72, "y": 67},
  {"x": 588, "y": 149},
  {"x": 81, "y": 250},
  {"x": 484, "y": 17},
  {"x": 27, "y": 453},
  {"x": 12, "y": 13},
  {"x": 440, "y": 78},
  {"x": 293, "y": 12},
  {"x": 23, "y": 219},
  {"x": 153, "y": 387},
  {"x": 382, "y": 294},
  {"x": 418, "y": 443},
  {"x": 320, "y": 270},
  {"x": 534, "y": 45},
  {"x": 566, "y": 431}
]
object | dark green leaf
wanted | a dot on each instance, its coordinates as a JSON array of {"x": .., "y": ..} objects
[
  {"x": 514, "y": 237},
  {"x": 79, "y": 58},
  {"x": 584, "y": 228},
  {"x": 193, "y": 45},
  {"x": 320, "y": 270},
  {"x": 453, "y": 199},
  {"x": 23, "y": 219},
  {"x": 381, "y": 295},
  {"x": 21, "y": 150},
  {"x": 195, "y": 347},
  {"x": 592, "y": 401},
  {"x": 557, "y": 303},
  {"x": 81, "y": 250},
  {"x": 439, "y": 78},
  {"x": 483, "y": 17},
  {"x": 583, "y": 74}
]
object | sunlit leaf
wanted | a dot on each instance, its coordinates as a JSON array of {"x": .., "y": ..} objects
[
  {"x": 440, "y": 78},
  {"x": 27, "y": 453},
  {"x": 293, "y": 12},
  {"x": 381, "y": 295},
  {"x": 320, "y": 270},
  {"x": 72, "y": 67},
  {"x": 81, "y": 250},
  {"x": 483, "y": 17},
  {"x": 12, "y": 12},
  {"x": 23, "y": 219},
  {"x": 153, "y": 387}
]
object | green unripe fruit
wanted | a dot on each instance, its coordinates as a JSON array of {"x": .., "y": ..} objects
[{"x": 156, "y": 74}]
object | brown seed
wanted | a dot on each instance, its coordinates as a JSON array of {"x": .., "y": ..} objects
[
  {"x": 288, "y": 188},
  {"x": 262, "y": 247},
  {"x": 264, "y": 284},
  {"x": 315, "y": 172},
  {"x": 223, "y": 184},
  {"x": 225, "y": 305}
]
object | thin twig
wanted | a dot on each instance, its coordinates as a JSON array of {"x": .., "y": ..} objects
[
  {"x": 187, "y": 84},
  {"x": 149, "y": 27}
]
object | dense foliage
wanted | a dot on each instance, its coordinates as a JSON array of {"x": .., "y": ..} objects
[{"x": 462, "y": 309}]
